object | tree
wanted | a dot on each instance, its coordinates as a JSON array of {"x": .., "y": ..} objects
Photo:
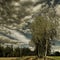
[
  {"x": 8, "y": 51},
  {"x": 57, "y": 53},
  {"x": 43, "y": 30},
  {"x": 17, "y": 52},
  {"x": 1, "y": 51}
]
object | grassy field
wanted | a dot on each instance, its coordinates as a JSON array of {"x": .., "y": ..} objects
[
  {"x": 56, "y": 57},
  {"x": 29, "y": 58}
]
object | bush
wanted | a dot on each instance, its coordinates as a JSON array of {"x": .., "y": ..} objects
[{"x": 57, "y": 53}]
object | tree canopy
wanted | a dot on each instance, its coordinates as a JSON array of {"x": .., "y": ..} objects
[{"x": 43, "y": 30}]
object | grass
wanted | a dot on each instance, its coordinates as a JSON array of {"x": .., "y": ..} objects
[
  {"x": 29, "y": 58},
  {"x": 7, "y": 58},
  {"x": 56, "y": 57}
]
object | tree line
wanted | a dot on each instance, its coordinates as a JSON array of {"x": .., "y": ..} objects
[
  {"x": 15, "y": 52},
  {"x": 9, "y": 51},
  {"x": 19, "y": 52},
  {"x": 57, "y": 53}
]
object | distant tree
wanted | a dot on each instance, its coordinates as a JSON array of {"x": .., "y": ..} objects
[
  {"x": 17, "y": 52},
  {"x": 2, "y": 51},
  {"x": 8, "y": 51},
  {"x": 57, "y": 53}
]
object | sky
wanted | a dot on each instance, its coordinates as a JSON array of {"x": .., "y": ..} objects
[{"x": 56, "y": 46}]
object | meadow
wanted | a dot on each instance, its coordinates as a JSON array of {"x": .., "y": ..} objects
[
  {"x": 56, "y": 57},
  {"x": 30, "y": 58}
]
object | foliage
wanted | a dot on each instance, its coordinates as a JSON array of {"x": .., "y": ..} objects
[
  {"x": 57, "y": 53},
  {"x": 43, "y": 30}
]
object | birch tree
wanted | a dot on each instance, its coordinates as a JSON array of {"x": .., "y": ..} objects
[{"x": 43, "y": 30}]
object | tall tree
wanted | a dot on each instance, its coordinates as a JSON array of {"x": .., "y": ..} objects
[{"x": 43, "y": 30}]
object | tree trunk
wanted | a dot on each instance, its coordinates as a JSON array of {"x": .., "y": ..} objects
[
  {"x": 38, "y": 51},
  {"x": 45, "y": 58}
]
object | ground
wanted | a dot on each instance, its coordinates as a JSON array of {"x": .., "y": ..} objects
[{"x": 29, "y": 58}]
